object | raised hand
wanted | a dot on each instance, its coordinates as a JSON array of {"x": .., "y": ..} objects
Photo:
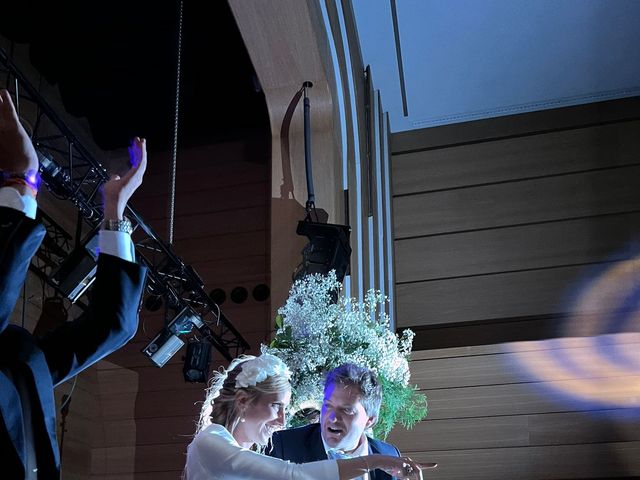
[
  {"x": 17, "y": 154},
  {"x": 119, "y": 190}
]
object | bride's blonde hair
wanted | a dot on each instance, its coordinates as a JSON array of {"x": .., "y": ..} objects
[{"x": 220, "y": 402}]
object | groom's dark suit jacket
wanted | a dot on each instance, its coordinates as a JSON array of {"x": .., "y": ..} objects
[
  {"x": 304, "y": 445},
  {"x": 40, "y": 364}
]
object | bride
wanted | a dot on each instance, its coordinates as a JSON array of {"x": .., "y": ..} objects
[{"x": 245, "y": 404}]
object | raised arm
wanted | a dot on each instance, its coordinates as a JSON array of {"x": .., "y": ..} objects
[
  {"x": 20, "y": 236},
  {"x": 112, "y": 317}
]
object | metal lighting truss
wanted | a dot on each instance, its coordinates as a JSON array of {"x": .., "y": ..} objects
[{"x": 71, "y": 172}]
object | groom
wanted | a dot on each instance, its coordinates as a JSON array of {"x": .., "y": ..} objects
[{"x": 352, "y": 398}]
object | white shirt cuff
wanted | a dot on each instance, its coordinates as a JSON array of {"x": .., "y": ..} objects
[
  {"x": 118, "y": 244},
  {"x": 10, "y": 197}
]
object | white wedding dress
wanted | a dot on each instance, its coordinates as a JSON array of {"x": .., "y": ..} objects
[{"x": 215, "y": 455}]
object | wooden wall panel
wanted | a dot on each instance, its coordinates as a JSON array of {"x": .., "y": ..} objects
[
  {"x": 150, "y": 431},
  {"x": 498, "y": 400},
  {"x": 432, "y": 167},
  {"x": 215, "y": 223},
  {"x": 516, "y": 203},
  {"x": 585, "y": 461},
  {"x": 498, "y": 128},
  {"x": 508, "y": 295},
  {"x": 516, "y": 248},
  {"x": 505, "y": 431},
  {"x": 503, "y": 227},
  {"x": 224, "y": 246},
  {"x": 490, "y": 418},
  {"x": 194, "y": 202}
]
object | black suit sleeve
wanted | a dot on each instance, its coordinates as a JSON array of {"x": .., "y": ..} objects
[
  {"x": 20, "y": 238},
  {"x": 276, "y": 450},
  {"x": 110, "y": 321}
]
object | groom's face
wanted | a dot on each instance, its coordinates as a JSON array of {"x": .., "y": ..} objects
[{"x": 343, "y": 418}]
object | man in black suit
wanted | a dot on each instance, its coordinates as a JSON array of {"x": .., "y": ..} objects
[
  {"x": 31, "y": 367},
  {"x": 352, "y": 398}
]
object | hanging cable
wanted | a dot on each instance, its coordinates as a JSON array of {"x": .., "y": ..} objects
[
  {"x": 311, "y": 199},
  {"x": 174, "y": 156}
]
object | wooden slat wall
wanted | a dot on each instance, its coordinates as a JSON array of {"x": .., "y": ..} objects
[
  {"x": 496, "y": 222},
  {"x": 511, "y": 219},
  {"x": 492, "y": 418}
]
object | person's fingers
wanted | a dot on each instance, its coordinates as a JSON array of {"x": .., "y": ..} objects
[
  {"x": 136, "y": 172},
  {"x": 411, "y": 469},
  {"x": 7, "y": 105},
  {"x": 142, "y": 144},
  {"x": 132, "y": 179},
  {"x": 135, "y": 157}
]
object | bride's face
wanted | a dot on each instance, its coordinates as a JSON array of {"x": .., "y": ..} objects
[{"x": 262, "y": 417}]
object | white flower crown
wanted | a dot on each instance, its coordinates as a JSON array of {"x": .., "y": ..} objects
[{"x": 259, "y": 368}]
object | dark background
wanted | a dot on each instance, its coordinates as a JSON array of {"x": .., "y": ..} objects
[{"x": 115, "y": 64}]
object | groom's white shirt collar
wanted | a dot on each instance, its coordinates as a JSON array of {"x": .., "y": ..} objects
[{"x": 363, "y": 449}]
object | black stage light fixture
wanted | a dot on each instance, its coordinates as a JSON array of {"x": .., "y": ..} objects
[
  {"x": 166, "y": 343},
  {"x": 328, "y": 249},
  {"x": 62, "y": 185},
  {"x": 78, "y": 271},
  {"x": 196, "y": 362}
]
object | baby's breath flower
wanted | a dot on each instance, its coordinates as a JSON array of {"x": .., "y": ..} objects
[{"x": 315, "y": 334}]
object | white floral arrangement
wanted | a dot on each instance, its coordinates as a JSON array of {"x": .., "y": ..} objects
[
  {"x": 316, "y": 334},
  {"x": 257, "y": 370}
]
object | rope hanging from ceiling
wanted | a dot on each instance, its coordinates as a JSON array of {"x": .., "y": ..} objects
[{"x": 174, "y": 153}]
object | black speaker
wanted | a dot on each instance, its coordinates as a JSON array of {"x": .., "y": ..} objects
[
  {"x": 328, "y": 249},
  {"x": 196, "y": 362}
]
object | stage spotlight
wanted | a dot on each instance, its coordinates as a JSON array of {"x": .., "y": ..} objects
[
  {"x": 328, "y": 249},
  {"x": 62, "y": 185},
  {"x": 261, "y": 292},
  {"x": 239, "y": 295},
  {"x": 153, "y": 303},
  {"x": 167, "y": 342},
  {"x": 78, "y": 271},
  {"x": 196, "y": 362},
  {"x": 218, "y": 296}
]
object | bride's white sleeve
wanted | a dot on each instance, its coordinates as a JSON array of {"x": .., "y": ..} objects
[{"x": 213, "y": 454}]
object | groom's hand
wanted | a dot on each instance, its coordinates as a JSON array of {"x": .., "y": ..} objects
[
  {"x": 119, "y": 190},
  {"x": 17, "y": 154}
]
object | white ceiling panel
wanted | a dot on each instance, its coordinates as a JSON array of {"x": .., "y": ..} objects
[{"x": 462, "y": 60}]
